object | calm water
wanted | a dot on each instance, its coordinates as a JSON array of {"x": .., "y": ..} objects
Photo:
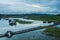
[{"x": 34, "y": 35}]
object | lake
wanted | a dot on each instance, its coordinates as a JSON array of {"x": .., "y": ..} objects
[{"x": 33, "y": 35}]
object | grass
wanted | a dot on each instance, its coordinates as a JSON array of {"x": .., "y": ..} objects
[
  {"x": 46, "y": 18},
  {"x": 20, "y": 21},
  {"x": 23, "y": 22},
  {"x": 53, "y": 31},
  {"x": 55, "y": 18}
]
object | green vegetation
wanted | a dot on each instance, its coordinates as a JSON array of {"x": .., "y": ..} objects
[
  {"x": 53, "y": 31},
  {"x": 23, "y": 22},
  {"x": 46, "y": 18},
  {"x": 55, "y": 18}
]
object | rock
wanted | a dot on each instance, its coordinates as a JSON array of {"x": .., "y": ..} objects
[
  {"x": 49, "y": 21},
  {"x": 44, "y": 21}
]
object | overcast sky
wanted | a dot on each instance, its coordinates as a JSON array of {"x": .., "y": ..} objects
[{"x": 29, "y": 6}]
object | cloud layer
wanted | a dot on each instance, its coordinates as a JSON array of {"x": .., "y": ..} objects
[{"x": 29, "y": 6}]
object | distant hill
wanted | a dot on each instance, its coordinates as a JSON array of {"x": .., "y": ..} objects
[
  {"x": 22, "y": 15},
  {"x": 26, "y": 14},
  {"x": 58, "y": 15}
]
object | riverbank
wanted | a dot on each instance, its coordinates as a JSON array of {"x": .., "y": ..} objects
[
  {"x": 45, "y": 18},
  {"x": 53, "y": 31},
  {"x": 17, "y": 20},
  {"x": 22, "y": 22}
]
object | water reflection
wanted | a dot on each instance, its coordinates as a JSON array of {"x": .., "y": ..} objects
[{"x": 34, "y": 35}]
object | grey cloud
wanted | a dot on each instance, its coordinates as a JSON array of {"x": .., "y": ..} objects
[{"x": 25, "y": 6}]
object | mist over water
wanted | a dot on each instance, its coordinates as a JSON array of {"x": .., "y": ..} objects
[{"x": 34, "y": 35}]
